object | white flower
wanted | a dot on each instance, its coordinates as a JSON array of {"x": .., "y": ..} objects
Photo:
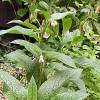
[
  {"x": 46, "y": 35},
  {"x": 41, "y": 59},
  {"x": 53, "y": 23}
]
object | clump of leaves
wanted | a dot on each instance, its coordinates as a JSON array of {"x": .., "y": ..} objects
[{"x": 65, "y": 51}]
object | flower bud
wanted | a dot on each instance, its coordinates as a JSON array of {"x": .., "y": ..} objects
[
  {"x": 46, "y": 35},
  {"x": 53, "y": 23},
  {"x": 41, "y": 60}
]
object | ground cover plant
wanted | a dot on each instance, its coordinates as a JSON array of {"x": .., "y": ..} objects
[{"x": 63, "y": 61}]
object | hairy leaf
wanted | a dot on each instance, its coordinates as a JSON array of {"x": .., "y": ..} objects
[
  {"x": 20, "y": 30},
  {"x": 27, "y": 24},
  {"x": 49, "y": 87},
  {"x": 44, "y": 5},
  {"x": 32, "y": 67},
  {"x": 13, "y": 84},
  {"x": 57, "y": 66},
  {"x": 71, "y": 96},
  {"x": 69, "y": 36},
  {"x": 88, "y": 62},
  {"x": 97, "y": 25},
  {"x": 80, "y": 84},
  {"x": 21, "y": 58},
  {"x": 57, "y": 16},
  {"x": 11, "y": 96},
  {"x": 33, "y": 48},
  {"x": 61, "y": 57},
  {"x": 32, "y": 90}
]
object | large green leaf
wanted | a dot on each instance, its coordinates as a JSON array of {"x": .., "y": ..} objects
[
  {"x": 21, "y": 58},
  {"x": 33, "y": 48},
  {"x": 80, "y": 84},
  {"x": 7, "y": 0},
  {"x": 71, "y": 96},
  {"x": 44, "y": 5},
  {"x": 57, "y": 16},
  {"x": 11, "y": 96},
  {"x": 21, "y": 12},
  {"x": 32, "y": 67},
  {"x": 67, "y": 22},
  {"x": 20, "y": 30},
  {"x": 89, "y": 62},
  {"x": 69, "y": 36},
  {"x": 32, "y": 90},
  {"x": 88, "y": 28},
  {"x": 97, "y": 25},
  {"x": 35, "y": 71},
  {"x": 61, "y": 57},
  {"x": 57, "y": 66},
  {"x": 13, "y": 84},
  {"x": 27, "y": 24},
  {"x": 77, "y": 39},
  {"x": 27, "y": 1},
  {"x": 49, "y": 87}
]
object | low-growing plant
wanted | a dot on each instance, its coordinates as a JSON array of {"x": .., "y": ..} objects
[{"x": 62, "y": 64}]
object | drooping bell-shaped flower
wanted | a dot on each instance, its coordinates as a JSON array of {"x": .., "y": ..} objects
[
  {"x": 53, "y": 23},
  {"x": 46, "y": 35},
  {"x": 41, "y": 59}
]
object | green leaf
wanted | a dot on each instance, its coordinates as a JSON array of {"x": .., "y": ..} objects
[
  {"x": 89, "y": 62},
  {"x": 71, "y": 96},
  {"x": 49, "y": 87},
  {"x": 44, "y": 5},
  {"x": 80, "y": 84},
  {"x": 21, "y": 12},
  {"x": 20, "y": 30},
  {"x": 46, "y": 47},
  {"x": 88, "y": 28},
  {"x": 7, "y": 0},
  {"x": 97, "y": 25},
  {"x": 15, "y": 86},
  {"x": 35, "y": 71},
  {"x": 61, "y": 57},
  {"x": 17, "y": 56},
  {"x": 60, "y": 67},
  {"x": 77, "y": 39},
  {"x": 69, "y": 36},
  {"x": 97, "y": 48},
  {"x": 67, "y": 22},
  {"x": 56, "y": 29},
  {"x": 46, "y": 14},
  {"x": 32, "y": 67},
  {"x": 57, "y": 16},
  {"x": 32, "y": 90},
  {"x": 57, "y": 66},
  {"x": 27, "y": 1},
  {"x": 33, "y": 48},
  {"x": 11, "y": 96},
  {"x": 27, "y": 24},
  {"x": 48, "y": 30}
]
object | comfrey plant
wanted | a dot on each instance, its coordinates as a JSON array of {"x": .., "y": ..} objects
[{"x": 55, "y": 69}]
